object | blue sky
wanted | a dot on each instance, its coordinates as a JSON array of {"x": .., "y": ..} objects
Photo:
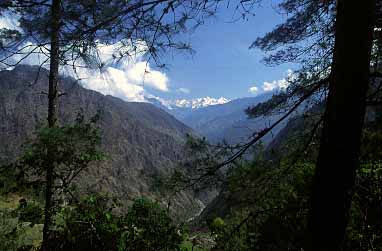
[{"x": 222, "y": 64}]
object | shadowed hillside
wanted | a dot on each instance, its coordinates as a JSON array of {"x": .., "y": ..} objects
[{"x": 140, "y": 140}]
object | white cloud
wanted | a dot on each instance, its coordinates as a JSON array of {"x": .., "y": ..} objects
[
  {"x": 269, "y": 86},
  {"x": 280, "y": 84},
  {"x": 126, "y": 78},
  {"x": 9, "y": 21},
  {"x": 184, "y": 90},
  {"x": 140, "y": 72},
  {"x": 36, "y": 55},
  {"x": 112, "y": 81},
  {"x": 274, "y": 85},
  {"x": 253, "y": 89}
]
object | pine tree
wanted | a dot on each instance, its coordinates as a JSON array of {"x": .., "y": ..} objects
[
  {"x": 335, "y": 61},
  {"x": 68, "y": 33},
  {"x": 338, "y": 157}
]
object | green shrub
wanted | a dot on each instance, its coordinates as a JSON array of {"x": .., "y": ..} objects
[
  {"x": 148, "y": 227},
  {"x": 89, "y": 225},
  {"x": 30, "y": 212},
  {"x": 217, "y": 226},
  {"x": 93, "y": 225}
]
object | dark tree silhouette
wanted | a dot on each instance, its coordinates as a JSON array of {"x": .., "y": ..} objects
[
  {"x": 52, "y": 115},
  {"x": 338, "y": 157}
]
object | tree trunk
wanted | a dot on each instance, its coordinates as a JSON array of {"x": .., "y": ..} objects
[
  {"x": 52, "y": 116},
  {"x": 338, "y": 157}
]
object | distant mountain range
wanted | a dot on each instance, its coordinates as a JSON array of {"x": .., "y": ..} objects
[
  {"x": 195, "y": 103},
  {"x": 226, "y": 121}
]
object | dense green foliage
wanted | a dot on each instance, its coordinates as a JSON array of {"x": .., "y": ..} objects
[
  {"x": 271, "y": 215},
  {"x": 365, "y": 228},
  {"x": 148, "y": 227},
  {"x": 20, "y": 223},
  {"x": 75, "y": 147},
  {"x": 273, "y": 198},
  {"x": 95, "y": 223},
  {"x": 277, "y": 221}
]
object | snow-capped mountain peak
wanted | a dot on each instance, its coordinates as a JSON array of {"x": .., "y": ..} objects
[
  {"x": 191, "y": 104},
  {"x": 199, "y": 102}
]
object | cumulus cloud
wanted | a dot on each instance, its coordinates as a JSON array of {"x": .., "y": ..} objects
[
  {"x": 253, "y": 89},
  {"x": 275, "y": 85},
  {"x": 112, "y": 81},
  {"x": 280, "y": 84},
  {"x": 141, "y": 72},
  {"x": 126, "y": 78},
  {"x": 269, "y": 86},
  {"x": 36, "y": 55},
  {"x": 9, "y": 21}
]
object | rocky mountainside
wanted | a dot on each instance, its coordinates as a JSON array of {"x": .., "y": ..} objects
[{"x": 141, "y": 141}]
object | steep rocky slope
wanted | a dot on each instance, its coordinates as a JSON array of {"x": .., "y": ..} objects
[{"x": 141, "y": 141}]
